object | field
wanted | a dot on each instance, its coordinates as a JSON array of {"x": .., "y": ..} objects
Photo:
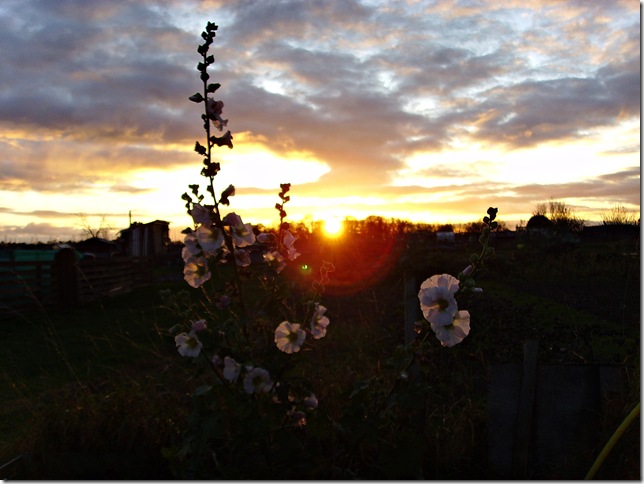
[{"x": 100, "y": 392}]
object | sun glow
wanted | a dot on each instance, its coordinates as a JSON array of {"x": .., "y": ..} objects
[{"x": 333, "y": 227}]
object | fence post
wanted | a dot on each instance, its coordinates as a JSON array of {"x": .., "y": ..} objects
[
  {"x": 412, "y": 306},
  {"x": 65, "y": 272},
  {"x": 525, "y": 410}
]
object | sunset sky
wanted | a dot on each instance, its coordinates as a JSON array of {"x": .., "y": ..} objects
[{"x": 429, "y": 111}]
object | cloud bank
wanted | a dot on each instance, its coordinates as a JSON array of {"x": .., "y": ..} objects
[{"x": 93, "y": 92}]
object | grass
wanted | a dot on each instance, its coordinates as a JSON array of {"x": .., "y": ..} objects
[
  {"x": 67, "y": 375},
  {"x": 99, "y": 392}
]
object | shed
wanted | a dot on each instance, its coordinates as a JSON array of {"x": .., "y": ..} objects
[{"x": 145, "y": 240}]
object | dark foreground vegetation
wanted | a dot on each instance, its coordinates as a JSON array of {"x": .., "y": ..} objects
[{"x": 100, "y": 391}]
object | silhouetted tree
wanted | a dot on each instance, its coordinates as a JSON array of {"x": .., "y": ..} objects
[
  {"x": 561, "y": 215},
  {"x": 539, "y": 221},
  {"x": 619, "y": 215},
  {"x": 103, "y": 230}
]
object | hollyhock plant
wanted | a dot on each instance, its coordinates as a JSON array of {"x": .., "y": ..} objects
[
  {"x": 188, "y": 344},
  {"x": 200, "y": 214},
  {"x": 199, "y": 326},
  {"x": 275, "y": 260},
  {"x": 243, "y": 235},
  {"x": 452, "y": 334},
  {"x": 214, "y": 110},
  {"x": 437, "y": 295},
  {"x": 289, "y": 337},
  {"x": 245, "y": 419},
  {"x": 190, "y": 246},
  {"x": 232, "y": 369},
  {"x": 232, "y": 219},
  {"x": 196, "y": 272},
  {"x": 311, "y": 402},
  {"x": 242, "y": 258},
  {"x": 437, "y": 300},
  {"x": 210, "y": 239},
  {"x": 238, "y": 268},
  {"x": 289, "y": 240},
  {"x": 257, "y": 380},
  {"x": 265, "y": 238},
  {"x": 319, "y": 322}
]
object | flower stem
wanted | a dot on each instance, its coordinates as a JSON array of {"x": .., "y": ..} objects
[
  {"x": 613, "y": 440},
  {"x": 211, "y": 189}
]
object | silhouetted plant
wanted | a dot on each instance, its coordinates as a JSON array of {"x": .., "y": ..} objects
[{"x": 250, "y": 336}]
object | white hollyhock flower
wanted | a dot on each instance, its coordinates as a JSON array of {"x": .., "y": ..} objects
[
  {"x": 289, "y": 337},
  {"x": 188, "y": 344},
  {"x": 210, "y": 239},
  {"x": 196, "y": 271},
  {"x": 437, "y": 300},
  {"x": 231, "y": 369},
  {"x": 257, "y": 380},
  {"x": 452, "y": 334},
  {"x": 319, "y": 322}
]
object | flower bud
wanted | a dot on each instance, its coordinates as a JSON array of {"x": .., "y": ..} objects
[
  {"x": 264, "y": 238},
  {"x": 199, "y": 325},
  {"x": 228, "y": 192},
  {"x": 311, "y": 402}
]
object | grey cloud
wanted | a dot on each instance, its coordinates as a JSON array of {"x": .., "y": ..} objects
[
  {"x": 58, "y": 214},
  {"x": 33, "y": 232},
  {"x": 623, "y": 150},
  {"x": 111, "y": 79},
  {"x": 108, "y": 76},
  {"x": 532, "y": 112},
  {"x": 350, "y": 132},
  {"x": 631, "y": 174},
  {"x": 257, "y": 21},
  {"x": 621, "y": 187},
  {"x": 76, "y": 166}
]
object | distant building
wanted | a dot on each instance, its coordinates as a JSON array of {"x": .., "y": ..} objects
[
  {"x": 146, "y": 240},
  {"x": 445, "y": 237}
]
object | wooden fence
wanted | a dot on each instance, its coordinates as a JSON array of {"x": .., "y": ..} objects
[{"x": 67, "y": 282}]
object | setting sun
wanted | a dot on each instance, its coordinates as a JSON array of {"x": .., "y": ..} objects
[{"x": 333, "y": 227}]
